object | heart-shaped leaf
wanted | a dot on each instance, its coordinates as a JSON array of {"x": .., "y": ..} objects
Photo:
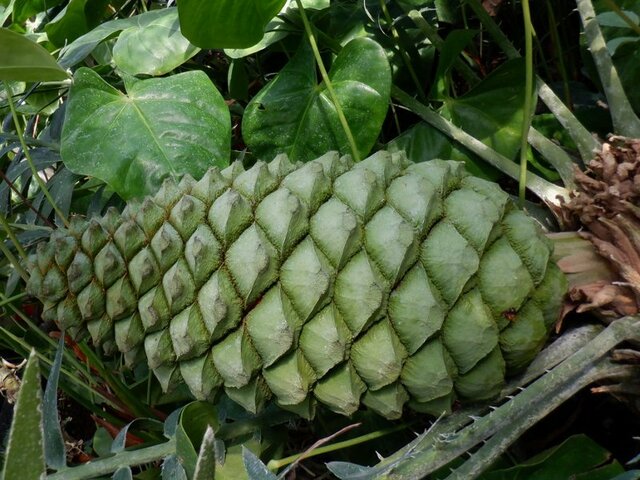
[
  {"x": 25, "y": 61},
  {"x": 153, "y": 49},
  {"x": 226, "y": 23},
  {"x": 295, "y": 115},
  {"x": 162, "y": 127}
]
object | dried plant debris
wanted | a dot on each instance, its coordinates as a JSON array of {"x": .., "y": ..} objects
[{"x": 606, "y": 205}]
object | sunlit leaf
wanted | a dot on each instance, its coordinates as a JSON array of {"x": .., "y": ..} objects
[
  {"x": 226, "y": 23},
  {"x": 160, "y": 128},
  {"x": 153, "y": 49},
  {"x": 24, "y": 61},
  {"x": 295, "y": 115},
  {"x": 84, "y": 45}
]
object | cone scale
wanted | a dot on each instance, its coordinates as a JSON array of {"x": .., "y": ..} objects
[{"x": 384, "y": 284}]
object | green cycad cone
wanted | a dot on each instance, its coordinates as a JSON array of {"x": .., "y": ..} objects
[{"x": 382, "y": 283}]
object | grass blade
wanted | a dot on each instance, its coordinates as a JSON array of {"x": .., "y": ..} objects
[
  {"x": 25, "y": 451},
  {"x": 53, "y": 441}
]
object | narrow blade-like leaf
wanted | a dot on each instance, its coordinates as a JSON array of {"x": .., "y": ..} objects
[{"x": 24, "y": 459}]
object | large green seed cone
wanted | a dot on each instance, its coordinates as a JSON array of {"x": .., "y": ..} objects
[{"x": 380, "y": 283}]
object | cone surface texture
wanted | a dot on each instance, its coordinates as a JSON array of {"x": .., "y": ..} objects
[{"x": 381, "y": 284}]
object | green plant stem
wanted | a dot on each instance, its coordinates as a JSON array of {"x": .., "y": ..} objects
[
  {"x": 12, "y": 237},
  {"x": 557, "y": 46},
  {"x": 625, "y": 121},
  {"x": 436, "y": 40},
  {"x": 274, "y": 465},
  {"x": 554, "y": 154},
  {"x": 443, "y": 443},
  {"x": 105, "y": 466},
  {"x": 132, "y": 402},
  {"x": 14, "y": 261},
  {"x": 327, "y": 81},
  {"x": 528, "y": 99},
  {"x": 545, "y": 190},
  {"x": 403, "y": 53},
  {"x": 8, "y": 300},
  {"x": 585, "y": 142},
  {"x": 69, "y": 375},
  {"x": 625, "y": 18},
  {"x": 27, "y": 155}
]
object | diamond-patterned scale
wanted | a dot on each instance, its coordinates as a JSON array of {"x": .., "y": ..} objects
[{"x": 379, "y": 284}]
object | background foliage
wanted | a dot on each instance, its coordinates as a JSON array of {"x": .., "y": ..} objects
[{"x": 103, "y": 100}]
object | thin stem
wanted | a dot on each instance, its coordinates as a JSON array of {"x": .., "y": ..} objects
[
  {"x": 71, "y": 374},
  {"x": 274, "y": 465},
  {"x": 25, "y": 201},
  {"x": 585, "y": 142},
  {"x": 111, "y": 464},
  {"x": 403, "y": 53},
  {"x": 327, "y": 81},
  {"x": 436, "y": 40},
  {"x": 7, "y": 300},
  {"x": 27, "y": 155},
  {"x": 614, "y": 6},
  {"x": 14, "y": 261},
  {"x": 12, "y": 237},
  {"x": 528, "y": 99},
  {"x": 557, "y": 45},
  {"x": 546, "y": 191},
  {"x": 554, "y": 154}
]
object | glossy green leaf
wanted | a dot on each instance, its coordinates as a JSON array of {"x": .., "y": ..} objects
[
  {"x": 577, "y": 457},
  {"x": 163, "y": 127},
  {"x": 53, "y": 442},
  {"x": 153, "y": 49},
  {"x": 226, "y": 23},
  {"x": 84, "y": 45},
  {"x": 25, "y": 61},
  {"x": 23, "y": 9},
  {"x": 423, "y": 142},
  {"x": 24, "y": 458},
  {"x": 76, "y": 19},
  {"x": 194, "y": 420},
  {"x": 278, "y": 27},
  {"x": 492, "y": 111},
  {"x": 453, "y": 45},
  {"x": 101, "y": 442},
  {"x": 295, "y": 115},
  {"x": 613, "y": 19}
]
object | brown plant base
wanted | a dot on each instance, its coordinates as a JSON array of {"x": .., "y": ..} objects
[{"x": 605, "y": 204}]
